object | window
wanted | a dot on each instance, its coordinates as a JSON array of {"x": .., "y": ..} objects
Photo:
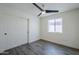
[{"x": 55, "y": 25}]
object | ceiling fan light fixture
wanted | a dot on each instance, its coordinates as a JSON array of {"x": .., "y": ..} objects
[{"x": 43, "y": 12}]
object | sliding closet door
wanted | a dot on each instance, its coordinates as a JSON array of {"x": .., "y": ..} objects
[
  {"x": 3, "y": 34},
  {"x": 17, "y": 31}
]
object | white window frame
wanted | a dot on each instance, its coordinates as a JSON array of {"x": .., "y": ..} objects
[{"x": 54, "y": 29}]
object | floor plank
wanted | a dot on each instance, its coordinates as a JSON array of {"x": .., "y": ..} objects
[{"x": 42, "y": 47}]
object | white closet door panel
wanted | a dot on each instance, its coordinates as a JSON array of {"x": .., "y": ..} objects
[
  {"x": 3, "y": 38},
  {"x": 17, "y": 31}
]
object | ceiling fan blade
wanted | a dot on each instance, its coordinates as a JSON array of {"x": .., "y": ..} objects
[
  {"x": 37, "y": 6},
  {"x": 50, "y": 11},
  {"x": 39, "y": 14}
]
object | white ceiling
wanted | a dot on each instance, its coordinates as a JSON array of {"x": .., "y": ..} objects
[
  {"x": 62, "y": 7},
  {"x": 21, "y": 6}
]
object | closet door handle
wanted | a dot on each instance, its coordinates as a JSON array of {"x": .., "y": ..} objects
[{"x": 5, "y": 33}]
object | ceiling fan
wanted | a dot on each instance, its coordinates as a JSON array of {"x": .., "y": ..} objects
[{"x": 44, "y": 11}]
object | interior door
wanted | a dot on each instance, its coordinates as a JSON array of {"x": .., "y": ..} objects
[
  {"x": 17, "y": 31},
  {"x": 13, "y": 31},
  {"x": 3, "y": 34}
]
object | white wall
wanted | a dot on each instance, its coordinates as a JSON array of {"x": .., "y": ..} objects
[
  {"x": 70, "y": 35},
  {"x": 13, "y": 21}
]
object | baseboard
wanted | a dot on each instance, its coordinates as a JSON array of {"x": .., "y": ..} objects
[
  {"x": 33, "y": 41},
  {"x": 60, "y": 44}
]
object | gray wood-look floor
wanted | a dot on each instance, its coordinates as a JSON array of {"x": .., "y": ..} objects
[{"x": 41, "y": 47}]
